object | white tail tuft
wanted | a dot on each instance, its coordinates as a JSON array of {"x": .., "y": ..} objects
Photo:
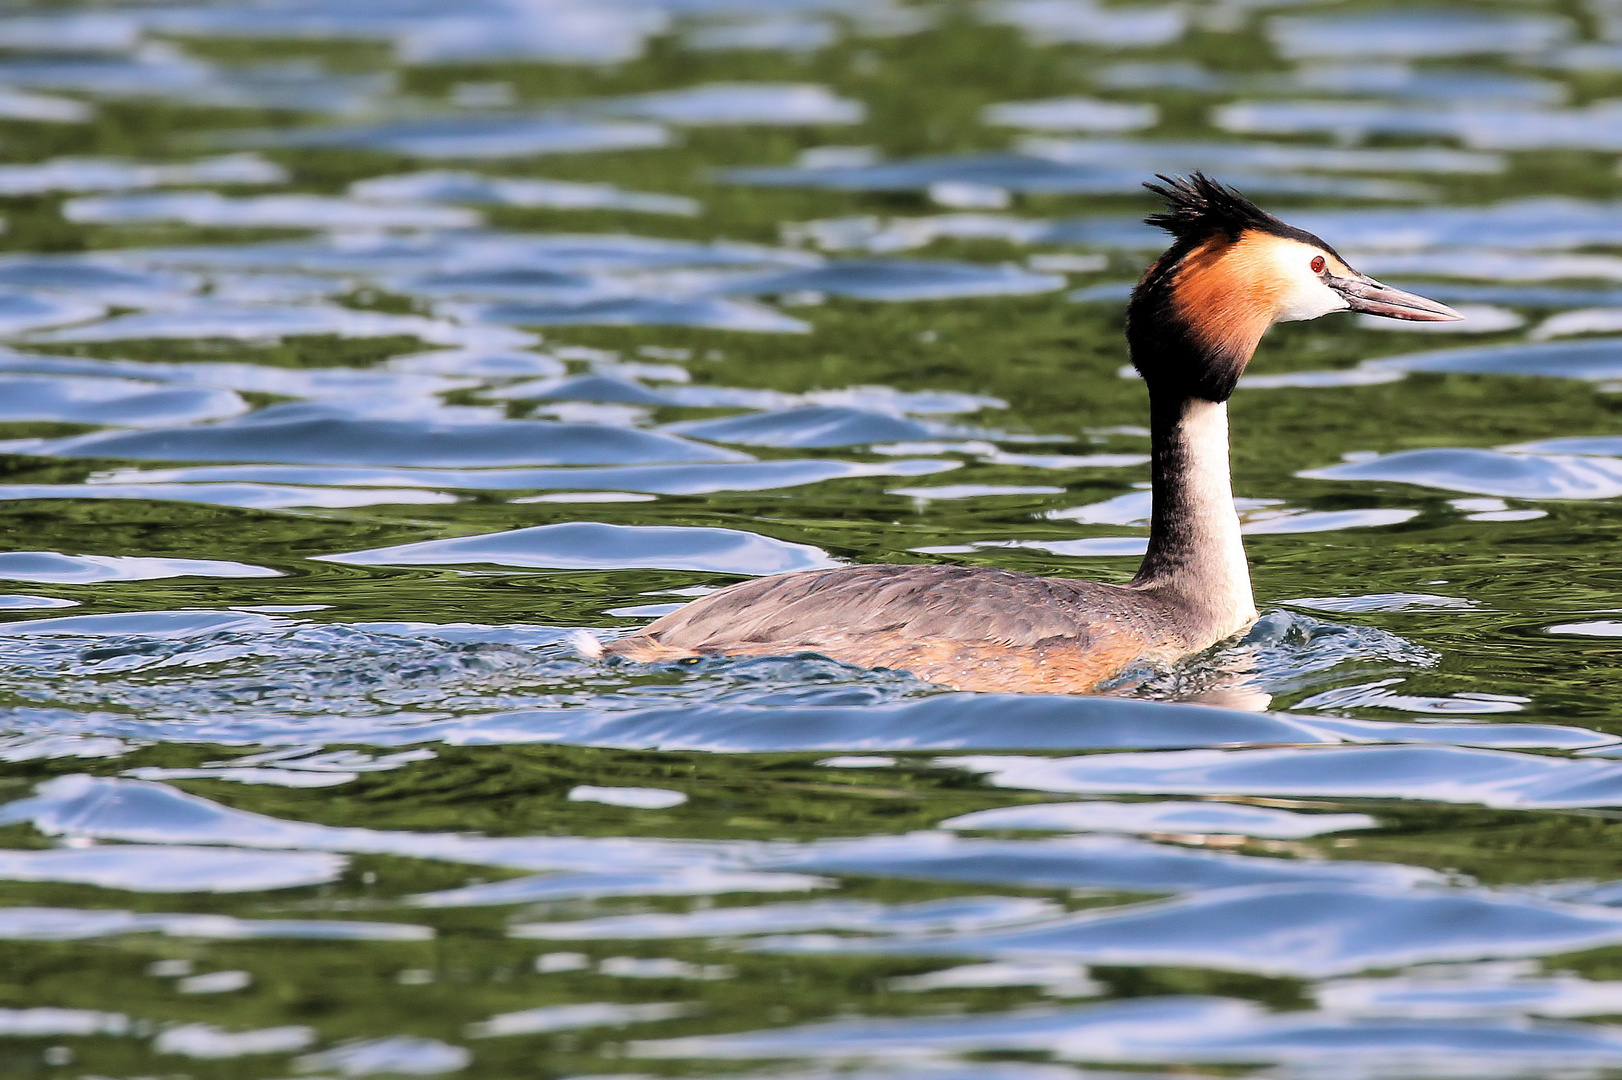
[{"x": 586, "y": 644}]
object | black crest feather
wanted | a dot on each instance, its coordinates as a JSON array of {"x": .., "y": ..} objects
[{"x": 1198, "y": 207}]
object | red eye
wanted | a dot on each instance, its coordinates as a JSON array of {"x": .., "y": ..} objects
[{"x": 1317, "y": 264}]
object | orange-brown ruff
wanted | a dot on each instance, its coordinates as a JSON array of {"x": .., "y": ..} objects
[{"x": 1192, "y": 325}]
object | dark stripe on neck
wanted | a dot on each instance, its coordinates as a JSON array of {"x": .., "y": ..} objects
[{"x": 1172, "y": 533}]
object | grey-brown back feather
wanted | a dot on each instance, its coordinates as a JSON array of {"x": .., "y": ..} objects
[{"x": 816, "y": 608}]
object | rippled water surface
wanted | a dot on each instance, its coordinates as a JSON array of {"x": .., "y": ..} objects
[{"x": 358, "y": 356}]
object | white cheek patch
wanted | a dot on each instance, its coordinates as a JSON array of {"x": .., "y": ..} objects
[
  {"x": 1305, "y": 296},
  {"x": 1308, "y": 301}
]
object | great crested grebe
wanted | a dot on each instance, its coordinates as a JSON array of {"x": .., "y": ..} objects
[{"x": 1192, "y": 325}]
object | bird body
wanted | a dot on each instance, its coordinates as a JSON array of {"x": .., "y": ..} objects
[
  {"x": 1193, "y": 323},
  {"x": 972, "y": 628}
]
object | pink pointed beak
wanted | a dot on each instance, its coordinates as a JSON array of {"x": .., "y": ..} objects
[{"x": 1372, "y": 298}]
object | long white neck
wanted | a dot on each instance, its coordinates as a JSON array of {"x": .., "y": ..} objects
[{"x": 1196, "y": 558}]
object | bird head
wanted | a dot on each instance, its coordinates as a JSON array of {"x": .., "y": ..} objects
[{"x": 1232, "y": 271}]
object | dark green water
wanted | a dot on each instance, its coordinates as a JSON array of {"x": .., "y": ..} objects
[{"x": 270, "y": 814}]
